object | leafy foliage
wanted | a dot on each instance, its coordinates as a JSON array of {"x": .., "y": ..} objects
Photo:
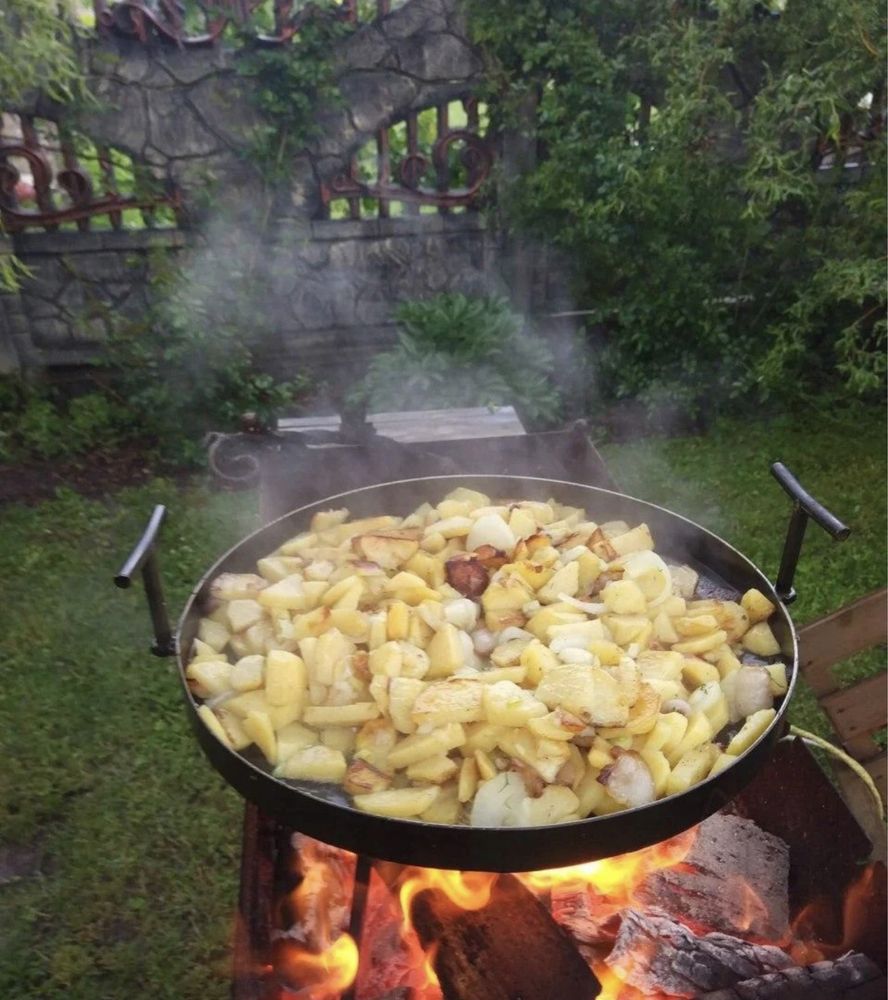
[
  {"x": 37, "y": 421},
  {"x": 713, "y": 167},
  {"x": 189, "y": 365},
  {"x": 36, "y": 49},
  {"x": 287, "y": 84},
  {"x": 454, "y": 350}
]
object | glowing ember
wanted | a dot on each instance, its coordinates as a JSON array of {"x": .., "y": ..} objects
[{"x": 594, "y": 903}]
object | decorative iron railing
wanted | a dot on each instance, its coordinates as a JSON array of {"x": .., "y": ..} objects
[
  {"x": 437, "y": 159},
  {"x": 201, "y": 23},
  {"x": 50, "y": 176}
]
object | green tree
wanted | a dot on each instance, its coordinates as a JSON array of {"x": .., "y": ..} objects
[{"x": 716, "y": 171}]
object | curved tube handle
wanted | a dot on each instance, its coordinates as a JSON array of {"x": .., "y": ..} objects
[
  {"x": 144, "y": 558},
  {"x": 803, "y": 507}
]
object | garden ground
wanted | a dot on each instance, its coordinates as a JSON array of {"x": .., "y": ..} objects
[{"x": 119, "y": 846}]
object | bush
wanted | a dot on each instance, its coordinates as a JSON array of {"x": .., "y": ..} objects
[
  {"x": 38, "y": 422},
  {"x": 717, "y": 172},
  {"x": 189, "y": 365},
  {"x": 185, "y": 367},
  {"x": 457, "y": 351}
]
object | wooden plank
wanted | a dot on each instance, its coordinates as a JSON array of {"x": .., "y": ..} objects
[
  {"x": 832, "y": 639},
  {"x": 420, "y": 426},
  {"x": 858, "y": 710}
]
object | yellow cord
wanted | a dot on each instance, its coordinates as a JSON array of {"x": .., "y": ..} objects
[{"x": 855, "y": 766}]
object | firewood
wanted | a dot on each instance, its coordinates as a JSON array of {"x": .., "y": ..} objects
[
  {"x": 655, "y": 953},
  {"x": 510, "y": 949},
  {"x": 851, "y": 977},
  {"x": 590, "y": 917},
  {"x": 735, "y": 879}
]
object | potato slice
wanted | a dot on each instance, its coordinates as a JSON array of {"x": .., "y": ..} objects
[
  {"x": 453, "y": 700},
  {"x": 433, "y": 770},
  {"x": 760, "y": 640},
  {"x": 243, "y": 614},
  {"x": 209, "y": 677},
  {"x": 362, "y": 777},
  {"x": 317, "y": 763},
  {"x": 757, "y": 606},
  {"x": 257, "y": 725},
  {"x": 341, "y": 715},
  {"x": 446, "y": 652},
  {"x": 468, "y": 780},
  {"x": 247, "y": 674},
  {"x": 213, "y": 634},
  {"x": 214, "y": 726},
  {"x": 693, "y": 767},
  {"x": 752, "y": 729},
  {"x": 398, "y": 803},
  {"x": 506, "y": 704},
  {"x": 293, "y": 737},
  {"x": 388, "y": 549},
  {"x": 590, "y": 693},
  {"x": 419, "y": 746}
]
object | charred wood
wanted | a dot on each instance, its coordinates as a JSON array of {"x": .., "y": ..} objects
[
  {"x": 510, "y": 949},
  {"x": 588, "y": 916},
  {"x": 656, "y": 953},
  {"x": 735, "y": 879},
  {"x": 851, "y": 977}
]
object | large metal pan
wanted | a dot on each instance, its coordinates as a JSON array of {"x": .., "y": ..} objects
[{"x": 324, "y": 811}]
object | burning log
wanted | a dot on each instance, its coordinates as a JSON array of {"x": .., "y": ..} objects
[
  {"x": 851, "y": 977},
  {"x": 591, "y": 918},
  {"x": 735, "y": 879},
  {"x": 511, "y": 948},
  {"x": 656, "y": 954}
]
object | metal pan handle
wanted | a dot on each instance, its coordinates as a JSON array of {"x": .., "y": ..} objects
[
  {"x": 803, "y": 507},
  {"x": 144, "y": 558}
]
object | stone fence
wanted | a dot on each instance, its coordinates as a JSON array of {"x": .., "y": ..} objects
[{"x": 184, "y": 115}]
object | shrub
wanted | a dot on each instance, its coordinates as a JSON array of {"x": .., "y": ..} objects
[
  {"x": 36, "y": 421},
  {"x": 716, "y": 171},
  {"x": 455, "y": 351}
]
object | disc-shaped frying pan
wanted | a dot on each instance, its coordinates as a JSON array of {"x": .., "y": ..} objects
[{"x": 324, "y": 811}]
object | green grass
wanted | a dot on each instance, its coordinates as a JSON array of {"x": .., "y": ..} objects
[{"x": 138, "y": 840}]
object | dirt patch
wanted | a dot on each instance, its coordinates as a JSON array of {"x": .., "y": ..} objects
[
  {"x": 18, "y": 862},
  {"x": 92, "y": 475}
]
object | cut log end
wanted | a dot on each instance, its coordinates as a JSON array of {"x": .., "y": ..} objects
[{"x": 510, "y": 949}]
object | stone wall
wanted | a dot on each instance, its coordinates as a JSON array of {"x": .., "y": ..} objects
[
  {"x": 335, "y": 302},
  {"x": 334, "y": 284},
  {"x": 59, "y": 317}
]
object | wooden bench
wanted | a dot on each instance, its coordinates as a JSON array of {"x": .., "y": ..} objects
[{"x": 856, "y": 713}]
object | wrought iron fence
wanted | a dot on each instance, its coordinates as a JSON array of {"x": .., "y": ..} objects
[
  {"x": 433, "y": 160},
  {"x": 52, "y": 177},
  {"x": 200, "y": 23}
]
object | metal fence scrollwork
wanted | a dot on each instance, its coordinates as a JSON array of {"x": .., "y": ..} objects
[
  {"x": 444, "y": 170},
  {"x": 45, "y": 182}
]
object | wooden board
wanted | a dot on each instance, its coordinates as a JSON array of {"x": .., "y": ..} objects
[
  {"x": 423, "y": 426},
  {"x": 857, "y": 711},
  {"x": 836, "y": 637}
]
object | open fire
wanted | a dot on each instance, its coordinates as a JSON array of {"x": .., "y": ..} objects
[
  {"x": 692, "y": 917},
  {"x": 765, "y": 900}
]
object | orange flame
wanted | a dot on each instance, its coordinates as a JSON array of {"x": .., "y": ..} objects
[
  {"x": 618, "y": 876},
  {"x": 850, "y": 931},
  {"x": 320, "y": 976}
]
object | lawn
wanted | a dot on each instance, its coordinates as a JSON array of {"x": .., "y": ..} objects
[{"x": 119, "y": 846}]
